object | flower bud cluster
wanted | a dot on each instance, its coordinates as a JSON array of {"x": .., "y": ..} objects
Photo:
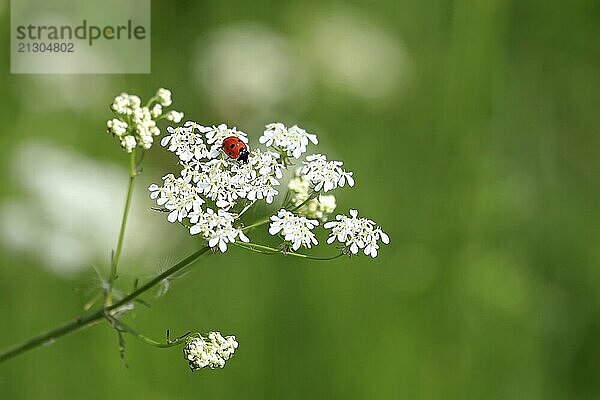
[
  {"x": 135, "y": 125},
  {"x": 212, "y": 350}
]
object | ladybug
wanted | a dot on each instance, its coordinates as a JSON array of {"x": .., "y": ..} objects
[{"x": 235, "y": 148}]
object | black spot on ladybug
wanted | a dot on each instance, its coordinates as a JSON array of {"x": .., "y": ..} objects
[
  {"x": 244, "y": 155},
  {"x": 232, "y": 145}
]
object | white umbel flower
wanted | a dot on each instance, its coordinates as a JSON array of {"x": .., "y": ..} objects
[
  {"x": 209, "y": 176},
  {"x": 295, "y": 229},
  {"x": 293, "y": 140},
  {"x": 193, "y": 134},
  {"x": 186, "y": 141},
  {"x": 216, "y": 134},
  {"x": 266, "y": 163},
  {"x": 215, "y": 182},
  {"x": 257, "y": 179},
  {"x": 225, "y": 181},
  {"x": 212, "y": 351},
  {"x": 178, "y": 196},
  {"x": 216, "y": 227},
  {"x": 325, "y": 175},
  {"x": 262, "y": 188},
  {"x": 356, "y": 233}
]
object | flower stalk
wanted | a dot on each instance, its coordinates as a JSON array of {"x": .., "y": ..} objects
[
  {"x": 117, "y": 255},
  {"x": 259, "y": 248},
  {"x": 88, "y": 320},
  {"x": 123, "y": 327}
]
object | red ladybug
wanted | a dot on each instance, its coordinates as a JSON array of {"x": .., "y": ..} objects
[{"x": 235, "y": 148}]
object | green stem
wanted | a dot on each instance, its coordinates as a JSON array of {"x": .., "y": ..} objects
[
  {"x": 145, "y": 339},
  {"x": 286, "y": 198},
  {"x": 245, "y": 209},
  {"x": 254, "y": 225},
  {"x": 159, "y": 278},
  {"x": 259, "y": 248},
  {"x": 50, "y": 336},
  {"x": 309, "y": 198},
  {"x": 117, "y": 255},
  {"x": 93, "y": 318}
]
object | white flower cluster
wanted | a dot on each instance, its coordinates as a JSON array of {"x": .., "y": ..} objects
[
  {"x": 212, "y": 351},
  {"x": 136, "y": 125},
  {"x": 325, "y": 175},
  {"x": 293, "y": 140},
  {"x": 212, "y": 190},
  {"x": 216, "y": 227},
  {"x": 194, "y": 142},
  {"x": 356, "y": 233},
  {"x": 209, "y": 176},
  {"x": 177, "y": 196},
  {"x": 295, "y": 229},
  {"x": 225, "y": 181},
  {"x": 302, "y": 202}
]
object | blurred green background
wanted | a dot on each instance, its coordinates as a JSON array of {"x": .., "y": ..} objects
[{"x": 471, "y": 127}]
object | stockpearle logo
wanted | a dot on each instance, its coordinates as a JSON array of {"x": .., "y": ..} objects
[{"x": 74, "y": 36}]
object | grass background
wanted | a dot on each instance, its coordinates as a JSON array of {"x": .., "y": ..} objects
[{"x": 479, "y": 159}]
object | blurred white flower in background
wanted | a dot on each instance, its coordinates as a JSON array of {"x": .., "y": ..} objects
[
  {"x": 356, "y": 55},
  {"x": 56, "y": 92},
  {"x": 70, "y": 211},
  {"x": 48, "y": 93},
  {"x": 248, "y": 71},
  {"x": 319, "y": 207}
]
